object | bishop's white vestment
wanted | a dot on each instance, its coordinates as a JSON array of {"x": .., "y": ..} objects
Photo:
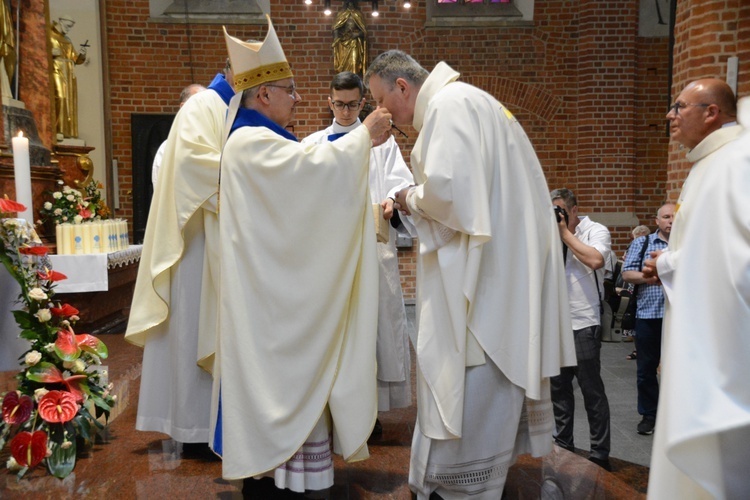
[
  {"x": 493, "y": 314},
  {"x": 173, "y": 314},
  {"x": 702, "y": 436},
  {"x": 388, "y": 175},
  {"x": 298, "y": 297}
]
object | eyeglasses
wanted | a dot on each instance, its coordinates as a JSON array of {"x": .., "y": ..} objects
[
  {"x": 676, "y": 107},
  {"x": 290, "y": 89},
  {"x": 352, "y": 105}
]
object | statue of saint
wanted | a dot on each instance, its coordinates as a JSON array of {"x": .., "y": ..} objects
[
  {"x": 350, "y": 40},
  {"x": 65, "y": 58},
  {"x": 7, "y": 50}
]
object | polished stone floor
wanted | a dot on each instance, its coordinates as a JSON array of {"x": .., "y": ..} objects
[{"x": 143, "y": 465}]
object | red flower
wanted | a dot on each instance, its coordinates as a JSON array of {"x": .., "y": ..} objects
[
  {"x": 17, "y": 409},
  {"x": 51, "y": 275},
  {"x": 64, "y": 310},
  {"x": 58, "y": 407},
  {"x": 68, "y": 346},
  {"x": 38, "y": 250},
  {"x": 29, "y": 449},
  {"x": 10, "y": 206},
  {"x": 47, "y": 373}
]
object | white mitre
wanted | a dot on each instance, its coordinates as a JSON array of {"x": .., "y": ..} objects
[{"x": 255, "y": 63}]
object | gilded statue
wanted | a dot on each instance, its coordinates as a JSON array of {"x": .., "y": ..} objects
[
  {"x": 65, "y": 58},
  {"x": 7, "y": 50},
  {"x": 350, "y": 40}
]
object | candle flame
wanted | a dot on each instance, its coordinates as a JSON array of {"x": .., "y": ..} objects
[{"x": 20, "y": 133}]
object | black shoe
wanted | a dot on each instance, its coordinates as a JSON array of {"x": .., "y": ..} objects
[
  {"x": 602, "y": 462},
  {"x": 646, "y": 426},
  {"x": 377, "y": 431}
]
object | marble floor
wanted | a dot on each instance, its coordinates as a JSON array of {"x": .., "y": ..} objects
[{"x": 143, "y": 465}]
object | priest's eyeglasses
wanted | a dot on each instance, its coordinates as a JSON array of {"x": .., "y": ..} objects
[
  {"x": 676, "y": 107},
  {"x": 352, "y": 105},
  {"x": 290, "y": 89}
]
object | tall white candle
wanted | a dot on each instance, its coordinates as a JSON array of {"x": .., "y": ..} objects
[{"x": 22, "y": 172}]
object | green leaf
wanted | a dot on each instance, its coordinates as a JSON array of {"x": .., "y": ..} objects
[
  {"x": 83, "y": 411},
  {"x": 24, "y": 319},
  {"x": 84, "y": 426},
  {"x": 29, "y": 334}
]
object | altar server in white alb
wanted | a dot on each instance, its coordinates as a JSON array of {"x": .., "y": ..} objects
[
  {"x": 173, "y": 314},
  {"x": 388, "y": 174},
  {"x": 702, "y": 437},
  {"x": 298, "y": 295},
  {"x": 493, "y": 316}
]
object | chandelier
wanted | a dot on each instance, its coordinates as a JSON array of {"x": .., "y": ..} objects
[{"x": 375, "y": 13}]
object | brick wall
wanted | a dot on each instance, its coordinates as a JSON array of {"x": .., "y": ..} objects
[{"x": 590, "y": 93}]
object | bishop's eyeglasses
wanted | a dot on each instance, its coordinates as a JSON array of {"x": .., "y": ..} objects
[{"x": 289, "y": 89}]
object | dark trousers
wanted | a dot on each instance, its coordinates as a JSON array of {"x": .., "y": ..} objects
[
  {"x": 648, "y": 346},
  {"x": 588, "y": 342}
]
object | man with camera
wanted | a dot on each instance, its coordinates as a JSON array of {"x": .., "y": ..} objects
[
  {"x": 649, "y": 313},
  {"x": 586, "y": 246}
]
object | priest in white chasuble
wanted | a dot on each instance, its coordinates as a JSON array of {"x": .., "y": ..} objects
[
  {"x": 492, "y": 305},
  {"x": 702, "y": 437},
  {"x": 173, "y": 314},
  {"x": 295, "y": 366}
]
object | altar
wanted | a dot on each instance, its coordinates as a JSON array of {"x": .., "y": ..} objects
[{"x": 100, "y": 286}]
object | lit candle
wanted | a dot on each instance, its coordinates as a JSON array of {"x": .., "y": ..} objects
[{"x": 22, "y": 171}]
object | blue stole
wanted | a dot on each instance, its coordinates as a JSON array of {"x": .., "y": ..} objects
[
  {"x": 333, "y": 137},
  {"x": 220, "y": 85},
  {"x": 251, "y": 118}
]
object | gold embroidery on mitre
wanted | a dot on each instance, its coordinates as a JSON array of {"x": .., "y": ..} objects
[{"x": 263, "y": 74}]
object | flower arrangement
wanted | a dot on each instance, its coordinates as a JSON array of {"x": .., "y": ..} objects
[
  {"x": 74, "y": 206},
  {"x": 61, "y": 394}
]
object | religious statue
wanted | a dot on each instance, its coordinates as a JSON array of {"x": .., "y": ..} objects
[
  {"x": 7, "y": 50},
  {"x": 65, "y": 58},
  {"x": 350, "y": 40}
]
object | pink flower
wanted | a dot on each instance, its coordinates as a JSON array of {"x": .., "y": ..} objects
[
  {"x": 84, "y": 212},
  {"x": 58, "y": 407}
]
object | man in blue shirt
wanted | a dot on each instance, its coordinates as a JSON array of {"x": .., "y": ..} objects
[{"x": 649, "y": 315}]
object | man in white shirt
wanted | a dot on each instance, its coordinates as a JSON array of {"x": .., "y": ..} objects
[
  {"x": 587, "y": 245},
  {"x": 388, "y": 174}
]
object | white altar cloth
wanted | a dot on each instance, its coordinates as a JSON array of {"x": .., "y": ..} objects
[{"x": 88, "y": 273}]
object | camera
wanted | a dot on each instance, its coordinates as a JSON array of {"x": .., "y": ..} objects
[{"x": 561, "y": 213}]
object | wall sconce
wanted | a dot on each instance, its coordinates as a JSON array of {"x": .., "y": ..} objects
[
  {"x": 327, "y": 10},
  {"x": 375, "y": 12}
]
